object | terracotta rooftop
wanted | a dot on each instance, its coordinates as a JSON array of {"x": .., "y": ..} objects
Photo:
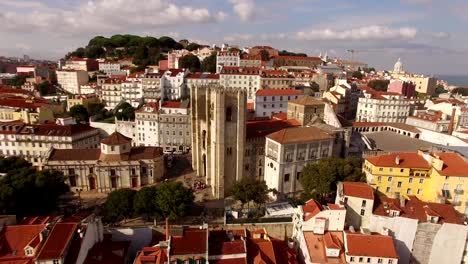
[
  {"x": 175, "y": 72},
  {"x": 307, "y": 100},
  {"x": 370, "y": 245},
  {"x": 152, "y": 255},
  {"x": 277, "y": 92},
  {"x": 136, "y": 153},
  {"x": 299, "y": 135},
  {"x": 454, "y": 165},
  {"x": 13, "y": 240},
  {"x": 57, "y": 241},
  {"x": 116, "y": 139},
  {"x": 200, "y": 75},
  {"x": 316, "y": 246},
  {"x": 358, "y": 189},
  {"x": 262, "y": 128},
  {"x": 310, "y": 209},
  {"x": 406, "y": 160},
  {"x": 225, "y": 242},
  {"x": 193, "y": 241}
]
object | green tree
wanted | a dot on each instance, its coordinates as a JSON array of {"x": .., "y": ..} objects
[
  {"x": 173, "y": 200},
  {"x": 11, "y": 163},
  {"x": 79, "y": 113},
  {"x": 319, "y": 179},
  {"x": 379, "y": 85},
  {"x": 460, "y": 90},
  {"x": 100, "y": 41},
  {"x": 44, "y": 88},
  {"x": 24, "y": 191},
  {"x": 18, "y": 81},
  {"x": 440, "y": 89},
  {"x": 209, "y": 63},
  {"x": 357, "y": 75},
  {"x": 140, "y": 56},
  {"x": 119, "y": 204},
  {"x": 94, "y": 52},
  {"x": 190, "y": 62},
  {"x": 145, "y": 202},
  {"x": 192, "y": 46},
  {"x": 264, "y": 55},
  {"x": 125, "y": 112},
  {"x": 167, "y": 42},
  {"x": 249, "y": 189},
  {"x": 119, "y": 40}
]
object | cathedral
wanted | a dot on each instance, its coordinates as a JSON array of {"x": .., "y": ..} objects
[{"x": 218, "y": 135}]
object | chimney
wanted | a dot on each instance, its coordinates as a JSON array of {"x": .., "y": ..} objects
[
  {"x": 402, "y": 201},
  {"x": 397, "y": 160},
  {"x": 452, "y": 120},
  {"x": 168, "y": 229}
]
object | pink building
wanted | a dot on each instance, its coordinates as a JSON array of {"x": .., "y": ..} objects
[{"x": 402, "y": 87}]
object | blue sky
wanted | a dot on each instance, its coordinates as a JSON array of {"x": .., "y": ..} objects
[{"x": 429, "y": 35}]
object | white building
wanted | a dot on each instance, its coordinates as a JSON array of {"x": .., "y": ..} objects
[
  {"x": 165, "y": 124},
  {"x": 276, "y": 79},
  {"x": 132, "y": 92},
  {"x": 358, "y": 197},
  {"x": 111, "y": 92},
  {"x": 246, "y": 79},
  {"x": 71, "y": 80},
  {"x": 367, "y": 248},
  {"x": 227, "y": 58},
  {"x": 288, "y": 151},
  {"x": 34, "y": 141},
  {"x": 112, "y": 68},
  {"x": 174, "y": 84},
  {"x": 272, "y": 101},
  {"x": 384, "y": 107},
  {"x": 152, "y": 86}
]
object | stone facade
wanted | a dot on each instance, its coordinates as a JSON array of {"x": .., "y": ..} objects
[
  {"x": 218, "y": 136},
  {"x": 115, "y": 165},
  {"x": 305, "y": 109}
]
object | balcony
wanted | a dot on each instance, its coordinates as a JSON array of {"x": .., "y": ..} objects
[{"x": 458, "y": 191}]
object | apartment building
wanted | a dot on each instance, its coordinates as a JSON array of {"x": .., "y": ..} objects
[
  {"x": 174, "y": 84},
  {"x": 276, "y": 79},
  {"x": 152, "y": 86},
  {"x": 431, "y": 177},
  {"x": 84, "y": 100},
  {"x": 202, "y": 79},
  {"x": 271, "y": 101},
  {"x": 431, "y": 120},
  {"x": 227, "y": 59},
  {"x": 288, "y": 151},
  {"x": 358, "y": 198},
  {"x": 112, "y": 68},
  {"x": 81, "y": 64},
  {"x": 28, "y": 110},
  {"x": 369, "y": 248},
  {"x": 378, "y": 106},
  {"x": 33, "y": 142},
  {"x": 111, "y": 92},
  {"x": 245, "y": 79},
  {"x": 71, "y": 80},
  {"x": 116, "y": 164},
  {"x": 306, "y": 109},
  {"x": 247, "y": 60},
  {"x": 310, "y": 62}
]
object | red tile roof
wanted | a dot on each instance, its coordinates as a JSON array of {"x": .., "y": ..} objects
[
  {"x": 221, "y": 244},
  {"x": 16, "y": 238},
  {"x": 298, "y": 135},
  {"x": 331, "y": 241},
  {"x": 358, "y": 189},
  {"x": 193, "y": 241},
  {"x": 406, "y": 160},
  {"x": 201, "y": 75},
  {"x": 57, "y": 241},
  {"x": 262, "y": 128},
  {"x": 370, "y": 245},
  {"x": 229, "y": 261},
  {"x": 250, "y": 106},
  {"x": 316, "y": 247},
  {"x": 454, "y": 165},
  {"x": 175, "y": 72},
  {"x": 153, "y": 255},
  {"x": 280, "y": 116},
  {"x": 277, "y": 92},
  {"x": 310, "y": 209},
  {"x": 22, "y": 103},
  {"x": 171, "y": 104},
  {"x": 116, "y": 139}
]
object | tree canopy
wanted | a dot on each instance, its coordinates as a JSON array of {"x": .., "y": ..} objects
[
  {"x": 190, "y": 62},
  {"x": 460, "y": 90},
  {"x": 209, "y": 63},
  {"x": 125, "y": 112},
  {"x": 173, "y": 199},
  {"x": 79, "y": 113},
  {"x": 192, "y": 46},
  {"x": 119, "y": 204},
  {"x": 145, "y": 202},
  {"x": 440, "y": 89},
  {"x": 319, "y": 179},
  {"x": 357, "y": 75},
  {"x": 289, "y": 53},
  {"x": 249, "y": 189},
  {"x": 379, "y": 85},
  {"x": 44, "y": 88},
  {"x": 25, "y": 191},
  {"x": 18, "y": 81}
]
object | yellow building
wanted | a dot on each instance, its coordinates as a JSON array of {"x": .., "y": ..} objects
[
  {"x": 431, "y": 177},
  {"x": 84, "y": 100}
]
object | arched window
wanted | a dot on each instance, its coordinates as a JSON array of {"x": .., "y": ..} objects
[{"x": 229, "y": 114}]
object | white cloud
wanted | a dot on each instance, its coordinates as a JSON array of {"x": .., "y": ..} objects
[
  {"x": 360, "y": 33},
  {"x": 245, "y": 9},
  {"x": 102, "y": 16},
  {"x": 238, "y": 37},
  {"x": 440, "y": 35}
]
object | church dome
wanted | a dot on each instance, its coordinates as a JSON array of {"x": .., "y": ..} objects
[{"x": 398, "y": 66}]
